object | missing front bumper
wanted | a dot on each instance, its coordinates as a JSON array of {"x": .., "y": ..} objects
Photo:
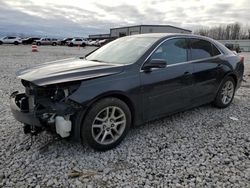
[{"x": 19, "y": 109}]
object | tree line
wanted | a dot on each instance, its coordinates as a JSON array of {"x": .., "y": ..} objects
[{"x": 225, "y": 32}]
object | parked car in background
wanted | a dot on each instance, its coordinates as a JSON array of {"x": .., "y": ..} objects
[
  {"x": 10, "y": 40},
  {"x": 102, "y": 42},
  {"x": 130, "y": 81},
  {"x": 65, "y": 41},
  {"x": 77, "y": 41},
  {"x": 93, "y": 43},
  {"x": 233, "y": 47},
  {"x": 30, "y": 40},
  {"x": 47, "y": 41}
]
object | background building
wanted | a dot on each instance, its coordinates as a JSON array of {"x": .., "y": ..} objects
[
  {"x": 243, "y": 44},
  {"x": 99, "y": 36},
  {"x": 141, "y": 29}
]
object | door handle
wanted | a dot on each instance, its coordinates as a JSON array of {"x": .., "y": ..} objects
[
  {"x": 186, "y": 73},
  {"x": 186, "y": 78}
]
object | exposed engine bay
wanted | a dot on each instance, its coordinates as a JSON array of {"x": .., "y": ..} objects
[{"x": 46, "y": 107}]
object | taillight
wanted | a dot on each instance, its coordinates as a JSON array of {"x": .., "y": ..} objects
[{"x": 242, "y": 58}]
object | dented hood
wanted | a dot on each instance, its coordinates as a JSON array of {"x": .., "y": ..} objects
[{"x": 66, "y": 70}]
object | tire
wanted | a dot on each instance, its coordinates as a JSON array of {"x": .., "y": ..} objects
[
  {"x": 100, "y": 114},
  {"x": 226, "y": 93},
  {"x": 83, "y": 45},
  {"x": 38, "y": 43},
  {"x": 16, "y": 43},
  {"x": 53, "y": 44},
  {"x": 71, "y": 44},
  {"x": 1, "y": 42}
]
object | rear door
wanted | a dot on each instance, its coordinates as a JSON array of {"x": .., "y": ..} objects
[
  {"x": 207, "y": 66},
  {"x": 48, "y": 41},
  {"x": 167, "y": 90},
  {"x": 78, "y": 41}
]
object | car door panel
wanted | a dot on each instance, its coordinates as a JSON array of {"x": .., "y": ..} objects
[
  {"x": 166, "y": 90},
  {"x": 205, "y": 77},
  {"x": 8, "y": 40}
]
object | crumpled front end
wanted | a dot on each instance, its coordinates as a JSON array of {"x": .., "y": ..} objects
[{"x": 45, "y": 107}]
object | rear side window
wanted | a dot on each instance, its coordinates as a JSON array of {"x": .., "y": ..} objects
[
  {"x": 172, "y": 51},
  {"x": 200, "y": 49}
]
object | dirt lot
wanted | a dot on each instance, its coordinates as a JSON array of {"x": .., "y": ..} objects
[{"x": 202, "y": 147}]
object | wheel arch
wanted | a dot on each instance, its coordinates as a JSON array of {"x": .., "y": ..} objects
[
  {"x": 216, "y": 102},
  {"x": 76, "y": 134},
  {"x": 116, "y": 94},
  {"x": 229, "y": 74}
]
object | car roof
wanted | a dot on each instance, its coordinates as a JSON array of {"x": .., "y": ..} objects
[
  {"x": 166, "y": 35},
  {"x": 169, "y": 35}
]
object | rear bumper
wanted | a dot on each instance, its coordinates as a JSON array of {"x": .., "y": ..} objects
[{"x": 20, "y": 110}]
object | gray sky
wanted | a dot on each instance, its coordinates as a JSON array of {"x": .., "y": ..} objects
[{"x": 84, "y": 17}]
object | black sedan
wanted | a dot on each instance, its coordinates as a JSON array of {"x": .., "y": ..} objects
[
  {"x": 29, "y": 40},
  {"x": 125, "y": 83},
  {"x": 65, "y": 41}
]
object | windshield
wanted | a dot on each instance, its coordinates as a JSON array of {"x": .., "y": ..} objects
[{"x": 124, "y": 50}]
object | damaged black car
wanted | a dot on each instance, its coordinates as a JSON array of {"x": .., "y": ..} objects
[{"x": 130, "y": 81}]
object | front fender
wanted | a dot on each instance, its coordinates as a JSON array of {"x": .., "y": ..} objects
[{"x": 91, "y": 89}]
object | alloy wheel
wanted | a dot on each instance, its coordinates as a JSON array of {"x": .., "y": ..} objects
[
  {"x": 108, "y": 125},
  {"x": 227, "y": 92}
]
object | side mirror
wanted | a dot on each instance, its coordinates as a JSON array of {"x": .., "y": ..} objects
[{"x": 155, "y": 63}]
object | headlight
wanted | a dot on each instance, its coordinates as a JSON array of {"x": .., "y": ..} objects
[{"x": 65, "y": 89}]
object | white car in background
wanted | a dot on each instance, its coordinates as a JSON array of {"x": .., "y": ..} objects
[
  {"x": 98, "y": 42},
  {"x": 93, "y": 43},
  {"x": 10, "y": 40},
  {"x": 77, "y": 42},
  {"x": 47, "y": 41},
  {"x": 102, "y": 42}
]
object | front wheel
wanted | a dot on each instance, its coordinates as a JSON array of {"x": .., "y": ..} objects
[
  {"x": 225, "y": 94},
  {"x": 16, "y": 43},
  {"x": 106, "y": 124},
  {"x": 1, "y": 42}
]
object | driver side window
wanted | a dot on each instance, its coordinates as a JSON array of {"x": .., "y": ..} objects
[{"x": 173, "y": 51}]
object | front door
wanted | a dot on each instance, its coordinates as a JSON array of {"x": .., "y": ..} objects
[{"x": 167, "y": 90}]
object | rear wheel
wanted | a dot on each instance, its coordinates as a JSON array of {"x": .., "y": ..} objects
[
  {"x": 16, "y": 43},
  {"x": 83, "y": 44},
  {"x": 106, "y": 124},
  {"x": 226, "y": 93},
  {"x": 54, "y": 44},
  {"x": 38, "y": 43},
  {"x": 1, "y": 42}
]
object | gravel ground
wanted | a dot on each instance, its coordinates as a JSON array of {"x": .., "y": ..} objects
[{"x": 202, "y": 147}]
